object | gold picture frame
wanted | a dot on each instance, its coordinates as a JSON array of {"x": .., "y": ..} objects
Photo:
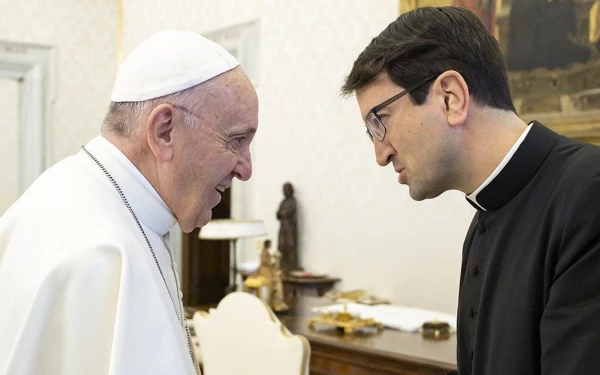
[{"x": 556, "y": 83}]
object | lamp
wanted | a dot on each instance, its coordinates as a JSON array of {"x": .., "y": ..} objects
[{"x": 232, "y": 230}]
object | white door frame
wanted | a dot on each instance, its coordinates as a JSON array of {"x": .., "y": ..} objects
[
  {"x": 242, "y": 41},
  {"x": 33, "y": 67}
]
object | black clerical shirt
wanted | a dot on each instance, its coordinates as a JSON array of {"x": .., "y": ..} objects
[{"x": 529, "y": 300}]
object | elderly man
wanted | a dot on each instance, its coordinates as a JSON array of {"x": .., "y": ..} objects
[{"x": 87, "y": 280}]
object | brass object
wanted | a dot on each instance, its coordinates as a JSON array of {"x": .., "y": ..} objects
[
  {"x": 351, "y": 295},
  {"x": 358, "y": 296},
  {"x": 267, "y": 284},
  {"x": 345, "y": 320},
  {"x": 435, "y": 330},
  {"x": 259, "y": 286},
  {"x": 277, "y": 298}
]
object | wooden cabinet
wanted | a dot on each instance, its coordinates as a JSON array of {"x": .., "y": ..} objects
[
  {"x": 390, "y": 352},
  {"x": 205, "y": 264}
]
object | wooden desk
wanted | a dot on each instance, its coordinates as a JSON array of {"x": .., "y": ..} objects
[
  {"x": 292, "y": 284},
  {"x": 390, "y": 352},
  {"x": 320, "y": 284}
]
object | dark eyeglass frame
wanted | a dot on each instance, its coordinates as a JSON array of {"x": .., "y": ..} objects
[{"x": 377, "y": 129}]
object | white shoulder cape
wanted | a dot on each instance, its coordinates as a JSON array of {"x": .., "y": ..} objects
[{"x": 80, "y": 292}]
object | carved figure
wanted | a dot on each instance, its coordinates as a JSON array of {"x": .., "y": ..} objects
[
  {"x": 265, "y": 268},
  {"x": 288, "y": 230},
  {"x": 277, "y": 296}
]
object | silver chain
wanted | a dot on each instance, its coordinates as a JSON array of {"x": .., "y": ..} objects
[{"x": 122, "y": 195}]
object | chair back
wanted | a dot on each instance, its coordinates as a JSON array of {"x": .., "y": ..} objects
[{"x": 243, "y": 336}]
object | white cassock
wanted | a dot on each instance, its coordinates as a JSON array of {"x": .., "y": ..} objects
[{"x": 80, "y": 292}]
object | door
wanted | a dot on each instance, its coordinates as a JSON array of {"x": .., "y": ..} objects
[
  {"x": 205, "y": 264},
  {"x": 9, "y": 142}
]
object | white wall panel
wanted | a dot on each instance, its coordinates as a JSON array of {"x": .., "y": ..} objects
[{"x": 356, "y": 222}]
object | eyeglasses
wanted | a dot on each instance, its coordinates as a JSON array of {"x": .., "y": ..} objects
[{"x": 375, "y": 127}]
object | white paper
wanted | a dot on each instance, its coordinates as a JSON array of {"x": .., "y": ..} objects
[{"x": 402, "y": 318}]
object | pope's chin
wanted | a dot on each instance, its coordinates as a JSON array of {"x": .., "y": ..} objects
[
  {"x": 202, "y": 220},
  {"x": 187, "y": 226}
]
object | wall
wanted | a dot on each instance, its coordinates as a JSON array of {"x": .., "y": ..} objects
[
  {"x": 84, "y": 34},
  {"x": 356, "y": 222},
  {"x": 9, "y": 153}
]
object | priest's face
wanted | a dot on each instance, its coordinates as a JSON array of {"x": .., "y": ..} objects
[
  {"x": 211, "y": 155},
  {"x": 416, "y": 140}
]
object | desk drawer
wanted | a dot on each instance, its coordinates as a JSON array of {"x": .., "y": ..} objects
[{"x": 329, "y": 360}]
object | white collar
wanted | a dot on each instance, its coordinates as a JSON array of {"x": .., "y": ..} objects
[
  {"x": 473, "y": 196},
  {"x": 147, "y": 204}
]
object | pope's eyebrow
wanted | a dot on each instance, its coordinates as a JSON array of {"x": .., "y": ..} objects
[{"x": 244, "y": 131}]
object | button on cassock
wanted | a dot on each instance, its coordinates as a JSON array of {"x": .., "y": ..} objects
[{"x": 480, "y": 228}]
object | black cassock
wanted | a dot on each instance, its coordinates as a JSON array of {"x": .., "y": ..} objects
[{"x": 529, "y": 300}]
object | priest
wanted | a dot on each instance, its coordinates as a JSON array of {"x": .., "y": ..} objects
[
  {"x": 87, "y": 278},
  {"x": 433, "y": 92}
]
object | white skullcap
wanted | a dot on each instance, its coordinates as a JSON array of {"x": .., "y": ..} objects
[{"x": 169, "y": 62}]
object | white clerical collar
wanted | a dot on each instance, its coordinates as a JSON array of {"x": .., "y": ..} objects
[
  {"x": 473, "y": 196},
  {"x": 147, "y": 204}
]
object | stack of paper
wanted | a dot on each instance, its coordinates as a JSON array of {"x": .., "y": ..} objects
[{"x": 402, "y": 318}]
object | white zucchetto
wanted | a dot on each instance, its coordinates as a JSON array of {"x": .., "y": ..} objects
[{"x": 169, "y": 62}]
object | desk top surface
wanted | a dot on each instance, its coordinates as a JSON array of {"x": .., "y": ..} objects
[
  {"x": 310, "y": 280},
  {"x": 390, "y": 343}
]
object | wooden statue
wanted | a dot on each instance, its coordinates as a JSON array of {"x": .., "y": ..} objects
[{"x": 288, "y": 230}]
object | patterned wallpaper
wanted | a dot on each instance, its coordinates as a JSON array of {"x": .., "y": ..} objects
[
  {"x": 356, "y": 222},
  {"x": 9, "y": 148},
  {"x": 83, "y": 32}
]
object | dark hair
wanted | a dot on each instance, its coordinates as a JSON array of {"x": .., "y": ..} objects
[{"x": 429, "y": 41}]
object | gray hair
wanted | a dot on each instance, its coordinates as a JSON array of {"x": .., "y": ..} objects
[{"x": 123, "y": 118}]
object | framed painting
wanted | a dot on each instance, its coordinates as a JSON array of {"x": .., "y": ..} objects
[{"x": 552, "y": 52}]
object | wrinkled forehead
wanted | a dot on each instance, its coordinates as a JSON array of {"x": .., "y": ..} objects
[
  {"x": 239, "y": 117},
  {"x": 234, "y": 101},
  {"x": 245, "y": 107}
]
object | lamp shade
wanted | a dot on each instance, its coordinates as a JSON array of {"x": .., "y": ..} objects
[{"x": 227, "y": 229}]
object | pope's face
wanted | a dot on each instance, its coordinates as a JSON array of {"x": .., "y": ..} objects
[{"x": 208, "y": 158}]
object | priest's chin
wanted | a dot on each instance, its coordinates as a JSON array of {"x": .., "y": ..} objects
[{"x": 422, "y": 194}]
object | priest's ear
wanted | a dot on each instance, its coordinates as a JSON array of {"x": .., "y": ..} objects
[
  {"x": 453, "y": 94},
  {"x": 159, "y": 131}
]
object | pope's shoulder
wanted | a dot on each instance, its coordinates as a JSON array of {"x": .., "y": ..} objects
[{"x": 71, "y": 199}]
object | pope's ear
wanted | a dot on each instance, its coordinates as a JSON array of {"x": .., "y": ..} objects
[{"x": 159, "y": 133}]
